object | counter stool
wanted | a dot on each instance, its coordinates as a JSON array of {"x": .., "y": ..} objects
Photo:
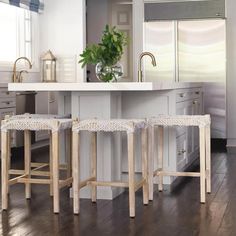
[
  {"x": 114, "y": 125},
  {"x": 203, "y": 123},
  {"x": 27, "y": 123},
  {"x": 36, "y": 171}
]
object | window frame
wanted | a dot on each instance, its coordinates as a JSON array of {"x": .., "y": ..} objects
[{"x": 8, "y": 66}]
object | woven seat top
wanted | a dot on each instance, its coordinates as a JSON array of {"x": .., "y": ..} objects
[
  {"x": 95, "y": 125},
  {"x": 39, "y": 116},
  {"x": 36, "y": 122},
  {"x": 181, "y": 120}
]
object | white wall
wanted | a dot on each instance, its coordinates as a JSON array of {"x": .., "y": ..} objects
[
  {"x": 62, "y": 29},
  {"x": 231, "y": 73}
]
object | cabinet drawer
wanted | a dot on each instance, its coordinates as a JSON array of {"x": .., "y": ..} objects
[
  {"x": 7, "y": 102},
  {"x": 4, "y": 93},
  {"x": 187, "y": 94},
  {"x": 196, "y": 93},
  {"x": 181, "y": 151}
]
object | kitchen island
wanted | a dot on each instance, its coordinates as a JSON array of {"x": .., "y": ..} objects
[{"x": 127, "y": 100}]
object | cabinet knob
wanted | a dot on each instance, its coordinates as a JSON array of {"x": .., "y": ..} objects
[
  {"x": 195, "y": 102},
  {"x": 197, "y": 92},
  {"x": 181, "y": 95},
  {"x": 183, "y": 150}
]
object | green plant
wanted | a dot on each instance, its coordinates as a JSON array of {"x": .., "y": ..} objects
[{"x": 108, "y": 52}]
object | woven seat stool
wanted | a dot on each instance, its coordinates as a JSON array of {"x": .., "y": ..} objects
[
  {"x": 27, "y": 123},
  {"x": 114, "y": 125},
  {"x": 203, "y": 122}
]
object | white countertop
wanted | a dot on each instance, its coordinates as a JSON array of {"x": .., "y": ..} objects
[{"x": 129, "y": 86}]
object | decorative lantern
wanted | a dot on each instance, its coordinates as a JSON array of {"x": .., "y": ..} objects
[{"x": 49, "y": 67}]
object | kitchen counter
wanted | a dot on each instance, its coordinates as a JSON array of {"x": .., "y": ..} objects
[{"x": 124, "y": 86}]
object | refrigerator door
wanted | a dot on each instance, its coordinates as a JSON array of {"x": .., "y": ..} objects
[
  {"x": 160, "y": 40},
  {"x": 202, "y": 51}
]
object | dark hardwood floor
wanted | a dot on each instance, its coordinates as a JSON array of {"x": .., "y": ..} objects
[{"x": 173, "y": 212}]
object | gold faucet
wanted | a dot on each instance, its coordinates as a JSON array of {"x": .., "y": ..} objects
[
  {"x": 16, "y": 78},
  {"x": 140, "y": 73}
]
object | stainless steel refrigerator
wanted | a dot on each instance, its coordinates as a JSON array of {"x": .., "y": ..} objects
[{"x": 191, "y": 50}]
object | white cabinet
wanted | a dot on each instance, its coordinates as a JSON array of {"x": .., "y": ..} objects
[
  {"x": 181, "y": 144},
  {"x": 8, "y": 107},
  {"x": 188, "y": 102}
]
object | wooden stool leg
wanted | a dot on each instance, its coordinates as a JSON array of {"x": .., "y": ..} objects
[
  {"x": 131, "y": 174},
  {"x": 68, "y": 152},
  {"x": 94, "y": 165},
  {"x": 76, "y": 171},
  {"x": 145, "y": 166},
  {"x": 208, "y": 158},
  {"x": 55, "y": 167},
  {"x": 150, "y": 160},
  {"x": 50, "y": 164},
  {"x": 9, "y": 156},
  {"x": 160, "y": 156},
  {"x": 202, "y": 164},
  {"x": 27, "y": 148},
  {"x": 5, "y": 176}
]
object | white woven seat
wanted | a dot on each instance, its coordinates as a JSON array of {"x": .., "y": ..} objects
[
  {"x": 181, "y": 120},
  {"x": 203, "y": 123},
  {"x": 130, "y": 126},
  {"x": 36, "y": 124},
  {"x": 96, "y": 125},
  {"x": 39, "y": 116}
]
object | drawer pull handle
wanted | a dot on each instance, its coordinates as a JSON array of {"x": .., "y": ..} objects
[
  {"x": 7, "y": 93},
  {"x": 181, "y": 95},
  {"x": 195, "y": 102},
  {"x": 197, "y": 92},
  {"x": 8, "y": 103}
]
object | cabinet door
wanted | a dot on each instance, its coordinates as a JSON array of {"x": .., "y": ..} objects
[
  {"x": 181, "y": 152},
  {"x": 186, "y": 108},
  {"x": 197, "y": 109}
]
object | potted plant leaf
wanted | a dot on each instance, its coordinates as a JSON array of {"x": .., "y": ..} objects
[{"x": 106, "y": 55}]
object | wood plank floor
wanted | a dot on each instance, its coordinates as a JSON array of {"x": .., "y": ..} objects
[{"x": 173, "y": 212}]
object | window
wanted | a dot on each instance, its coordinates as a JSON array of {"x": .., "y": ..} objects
[{"x": 16, "y": 33}]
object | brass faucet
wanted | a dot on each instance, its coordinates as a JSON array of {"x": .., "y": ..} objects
[
  {"x": 15, "y": 77},
  {"x": 140, "y": 73}
]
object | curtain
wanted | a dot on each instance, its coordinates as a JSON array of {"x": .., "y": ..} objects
[{"x": 32, "y": 5}]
